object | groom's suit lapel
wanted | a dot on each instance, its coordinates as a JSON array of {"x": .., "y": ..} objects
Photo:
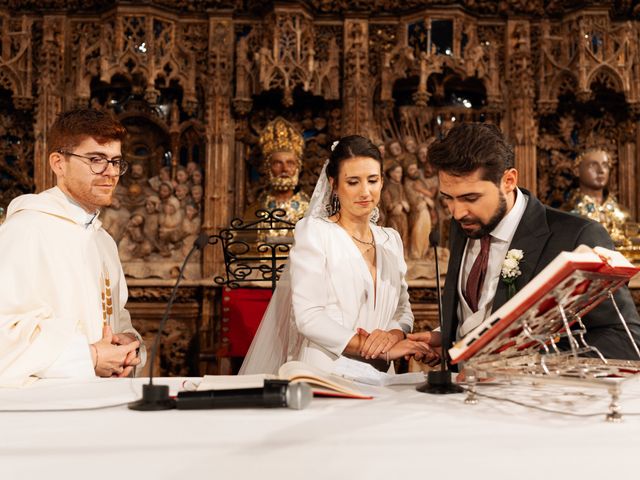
[
  {"x": 450, "y": 299},
  {"x": 531, "y": 237}
]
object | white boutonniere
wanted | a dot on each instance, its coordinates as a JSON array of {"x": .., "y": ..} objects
[{"x": 511, "y": 270}]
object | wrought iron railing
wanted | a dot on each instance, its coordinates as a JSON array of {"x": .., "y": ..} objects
[{"x": 255, "y": 251}]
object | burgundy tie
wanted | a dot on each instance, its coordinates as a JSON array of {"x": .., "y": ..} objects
[{"x": 477, "y": 274}]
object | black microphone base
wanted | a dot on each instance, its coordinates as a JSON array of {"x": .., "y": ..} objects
[
  {"x": 439, "y": 383},
  {"x": 154, "y": 398}
]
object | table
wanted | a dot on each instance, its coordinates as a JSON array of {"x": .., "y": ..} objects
[{"x": 400, "y": 434}]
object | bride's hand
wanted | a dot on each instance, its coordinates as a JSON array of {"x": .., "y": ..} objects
[{"x": 379, "y": 342}]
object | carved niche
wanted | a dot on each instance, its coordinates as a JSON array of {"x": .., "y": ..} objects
[
  {"x": 285, "y": 66},
  {"x": 16, "y": 108},
  {"x": 281, "y": 53},
  {"x": 140, "y": 67},
  {"x": 435, "y": 69},
  {"x": 588, "y": 97},
  {"x": 16, "y": 151}
]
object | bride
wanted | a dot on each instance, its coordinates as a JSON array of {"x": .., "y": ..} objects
[{"x": 343, "y": 292}]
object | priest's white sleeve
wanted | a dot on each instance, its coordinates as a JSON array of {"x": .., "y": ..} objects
[
  {"x": 74, "y": 361},
  {"x": 32, "y": 336},
  {"x": 125, "y": 325},
  {"x": 309, "y": 284}
]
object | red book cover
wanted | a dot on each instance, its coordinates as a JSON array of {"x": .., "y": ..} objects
[{"x": 578, "y": 280}]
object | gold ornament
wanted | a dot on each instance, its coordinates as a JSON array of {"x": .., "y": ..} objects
[{"x": 280, "y": 136}]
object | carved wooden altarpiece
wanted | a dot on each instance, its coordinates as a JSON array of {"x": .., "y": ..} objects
[{"x": 195, "y": 82}]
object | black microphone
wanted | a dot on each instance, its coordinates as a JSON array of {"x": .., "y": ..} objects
[
  {"x": 274, "y": 394},
  {"x": 439, "y": 381},
  {"x": 156, "y": 397}
]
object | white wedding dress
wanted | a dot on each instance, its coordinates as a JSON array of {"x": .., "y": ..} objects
[{"x": 326, "y": 293}]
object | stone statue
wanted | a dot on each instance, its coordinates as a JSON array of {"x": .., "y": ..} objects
[
  {"x": 420, "y": 203},
  {"x": 196, "y": 177},
  {"x": 197, "y": 193},
  {"x": 151, "y": 221},
  {"x": 190, "y": 227},
  {"x": 164, "y": 175},
  {"x": 282, "y": 147},
  {"x": 592, "y": 198},
  {"x": 411, "y": 149},
  {"x": 182, "y": 193},
  {"x": 393, "y": 154},
  {"x": 394, "y": 202},
  {"x": 169, "y": 226},
  {"x": 135, "y": 244},
  {"x": 422, "y": 155},
  {"x": 182, "y": 177},
  {"x": 115, "y": 219}
]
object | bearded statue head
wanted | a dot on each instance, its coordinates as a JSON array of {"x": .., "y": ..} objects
[{"x": 282, "y": 146}]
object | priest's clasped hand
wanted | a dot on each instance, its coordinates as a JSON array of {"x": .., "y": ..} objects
[{"x": 114, "y": 355}]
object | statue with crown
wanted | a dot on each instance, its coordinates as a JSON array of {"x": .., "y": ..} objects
[{"x": 282, "y": 147}]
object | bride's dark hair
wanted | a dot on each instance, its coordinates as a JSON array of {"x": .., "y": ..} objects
[{"x": 350, "y": 147}]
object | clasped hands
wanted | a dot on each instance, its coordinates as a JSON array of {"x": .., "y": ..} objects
[
  {"x": 391, "y": 345},
  {"x": 115, "y": 355}
]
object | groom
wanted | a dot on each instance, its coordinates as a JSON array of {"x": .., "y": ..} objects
[{"x": 492, "y": 216}]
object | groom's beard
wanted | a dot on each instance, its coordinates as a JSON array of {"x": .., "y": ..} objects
[
  {"x": 486, "y": 228},
  {"x": 283, "y": 183}
]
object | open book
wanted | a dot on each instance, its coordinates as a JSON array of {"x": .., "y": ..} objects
[
  {"x": 321, "y": 382},
  {"x": 578, "y": 280}
]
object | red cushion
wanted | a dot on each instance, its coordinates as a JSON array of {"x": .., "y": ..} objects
[{"x": 242, "y": 311}]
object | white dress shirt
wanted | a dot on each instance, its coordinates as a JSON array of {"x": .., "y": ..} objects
[{"x": 501, "y": 237}]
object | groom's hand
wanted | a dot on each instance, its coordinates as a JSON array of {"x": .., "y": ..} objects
[
  {"x": 432, "y": 338},
  {"x": 431, "y": 357}
]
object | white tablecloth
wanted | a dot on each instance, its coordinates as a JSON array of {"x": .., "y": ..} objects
[{"x": 400, "y": 434}]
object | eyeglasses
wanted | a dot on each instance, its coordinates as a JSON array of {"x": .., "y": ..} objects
[{"x": 99, "y": 165}]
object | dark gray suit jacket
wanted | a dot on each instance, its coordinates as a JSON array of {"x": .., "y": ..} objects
[{"x": 543, "y": 233}]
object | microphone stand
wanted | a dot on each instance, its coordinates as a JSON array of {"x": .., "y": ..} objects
[
  {"x": 439, "y": 381},
  {"x": 156, "y": 397}
]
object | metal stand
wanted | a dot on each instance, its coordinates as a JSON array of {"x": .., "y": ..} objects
[
  {"x": 254, "y": 251},
  {"x": 471, "y": 398},
  {"x": 537, "y": 358},
  {"x": 439, "y": 383}
]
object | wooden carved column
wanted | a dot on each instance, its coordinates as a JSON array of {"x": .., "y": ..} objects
[
  {"x": 626, "y": 170},
  {"x": 219, "y": 165},
  {"x": 50, "y": 91},
  {"x": 220, "y": 134},
  {"x": 628, "y": 148},
  {"x": 521, "y": 113},
  {"x": 357, "y": 96},
  {"x": 635, "y": 198}
]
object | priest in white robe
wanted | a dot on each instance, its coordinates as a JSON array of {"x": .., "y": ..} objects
[{"x": 62, "y": 288}]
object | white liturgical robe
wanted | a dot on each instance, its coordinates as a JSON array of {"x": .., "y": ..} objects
[
  {"x": 60, "y": 281},
  {"x": 333, "y": 290}
]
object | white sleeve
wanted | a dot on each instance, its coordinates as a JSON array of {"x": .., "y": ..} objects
[
  {"x": 31, "y": 335},
  {"x": 124, "y": 322},
  {"x": 403, "y": 316},
  {"x": 74, "y": 362},
  {"x": 309, "y": 280}
]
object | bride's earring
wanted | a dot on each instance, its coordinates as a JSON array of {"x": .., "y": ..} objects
[
  {"x": 375, "y": 215},
  {"x": 335, "y": 204}
]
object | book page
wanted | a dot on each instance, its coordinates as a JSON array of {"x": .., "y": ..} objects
[
  {"x": 301, "y": 372},
  {"x": 362, "y": 372}
]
